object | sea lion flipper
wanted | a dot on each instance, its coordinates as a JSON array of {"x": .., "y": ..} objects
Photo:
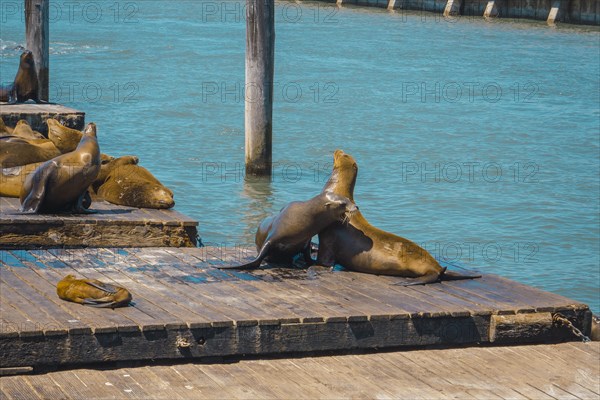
[
  {"x": 99, "y": 303},
  {"x": 106, "y": 287},
  {"x": 254, "y": 263},
  {"x": 33, "y": 201},
  {"x": 422, "y": 280},
  {"x": 455, "y": 276}
]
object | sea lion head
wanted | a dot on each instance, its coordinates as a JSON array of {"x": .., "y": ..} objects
[
  {"x": 108, "y": 164},
  {"x": 90, "y": 130},
  {"x": 157, "y": 196},
  {"x": 27, "y": 59},
  {"x": 65, "y": 139},
  {"x": 343, "y": 176},
  {"x": 341, "y": 206}
]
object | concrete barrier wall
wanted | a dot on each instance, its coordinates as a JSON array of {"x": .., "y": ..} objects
[{"x": 585, "y": 12}]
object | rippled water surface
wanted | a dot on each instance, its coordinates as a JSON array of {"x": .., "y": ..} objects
[{"x": 480, "y": 141}]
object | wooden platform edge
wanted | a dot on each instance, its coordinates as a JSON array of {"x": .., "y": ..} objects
[
  {"x": 47, "y": 236},
  {"x": 46, "y": 346}
]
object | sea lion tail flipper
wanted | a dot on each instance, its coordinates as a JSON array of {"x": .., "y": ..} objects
[
  {"x": 455, "y": 276},
  {"x": 33, "y": 201},
  {"x": 252, "y": 264},
  {"x": 100, "y": 303},
  {"x": 106, "y": 287},
  {"x": 422, "y": 280}
]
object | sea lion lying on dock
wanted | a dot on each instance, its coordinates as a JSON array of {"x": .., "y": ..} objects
[
  {"x": 359, "y": 246},
  {"x": 12, "y": 179},
  {"x": 92, "y": 292},
  {"x": 64, "y": 138},
  {"x": 61, "y": 184},
  {"x": 25, "y": 86},
  {"x": 23, "y": 129},
  {"x": 129, "y": 184},
  {"x": 281, "y": 237},
  {"x": 16, "y": 151}
]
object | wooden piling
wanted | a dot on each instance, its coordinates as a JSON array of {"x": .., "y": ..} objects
[
  {"x": 260, "y": 60},
  {"x": 37, "y": 28}
]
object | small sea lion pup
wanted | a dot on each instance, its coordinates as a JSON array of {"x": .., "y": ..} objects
[
  {"x": 129, "y": 184},
  {"x": 281, "y": 237},
  {"x": 92, "y": 292},
  {"x": 61, "y": 184},
  {"x": 25, "y": 86},
  {"x": 359, "y": 246}
]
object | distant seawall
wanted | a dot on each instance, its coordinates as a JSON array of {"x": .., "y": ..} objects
[{"x": 585, "y": 12}]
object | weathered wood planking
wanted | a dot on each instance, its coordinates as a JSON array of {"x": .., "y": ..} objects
[
  {"x": 567, "y": 370},
  {"x": 186, "y": 308},
  {"x": 109, "y": 226},
  {"x": 37, "y": 114}
]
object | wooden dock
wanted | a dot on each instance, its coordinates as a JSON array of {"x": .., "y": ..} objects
[
  {"x": 109, "y": 226},
  {"x": 37, "y": 114},
  {"x": 186, "y": 308},
  {"x": 559, "y": 371}
]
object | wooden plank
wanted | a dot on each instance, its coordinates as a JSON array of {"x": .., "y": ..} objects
[
  {"x": 18, "y": 389},
  {"x": 213, "y": 293},
  {"x": 45, "y": 387},
  {"x": 294, "y": 298},
  {"x": 248, "y": 286},
  {"x": 161, "y": 387},
  {"x": 189, "y": 309}
]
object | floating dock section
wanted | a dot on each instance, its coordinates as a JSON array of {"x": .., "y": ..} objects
[{"x": 186, "y": 308}]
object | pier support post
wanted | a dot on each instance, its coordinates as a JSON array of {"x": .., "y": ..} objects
[
  {"x": 452, "y": 8},
  {"x": 491, "y": 10},
  {"x": 391, "y": 5},
  {"x": 37, "y": 32},
  {"x": 260, "y": 61},
  {"x": 557, "y": 12}
]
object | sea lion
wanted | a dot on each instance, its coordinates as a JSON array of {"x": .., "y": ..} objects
[
  {"x": 92, "y": 292},
  {"x": 25, "y": 86},
  {"x": 61, "y": 184},
  {"x": 12, "y": 179},
  {"x": 128, "y": 184},
  {"x": 15, "y": 151},
  {"x": 281, "y": 237},
  {"x": 359, "y": 246},
  {"x": 5, "y": 130},
  {"x": 23, "y": 129},
  {"x": 64, "y": 138}
]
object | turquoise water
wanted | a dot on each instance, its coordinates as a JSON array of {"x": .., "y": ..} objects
[{"x": 480, "y": 141}]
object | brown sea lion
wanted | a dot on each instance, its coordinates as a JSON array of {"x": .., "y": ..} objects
[
  {"x": 25, "y": 86},
  {"x": 131, "y": 185},
  {"x": 281, "y": 237},
  {"x": 92, "y": 292},
  {"x": 61, "y": 184},
  {"x": 64, "y": 138},
  {"x": 5, "y": 130},
  {"x": 359, "y": 246},
  {"x": 15, "y": 151},
  {"x": 12, "y": 179},
  {"x": 23, "y": 130}
]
